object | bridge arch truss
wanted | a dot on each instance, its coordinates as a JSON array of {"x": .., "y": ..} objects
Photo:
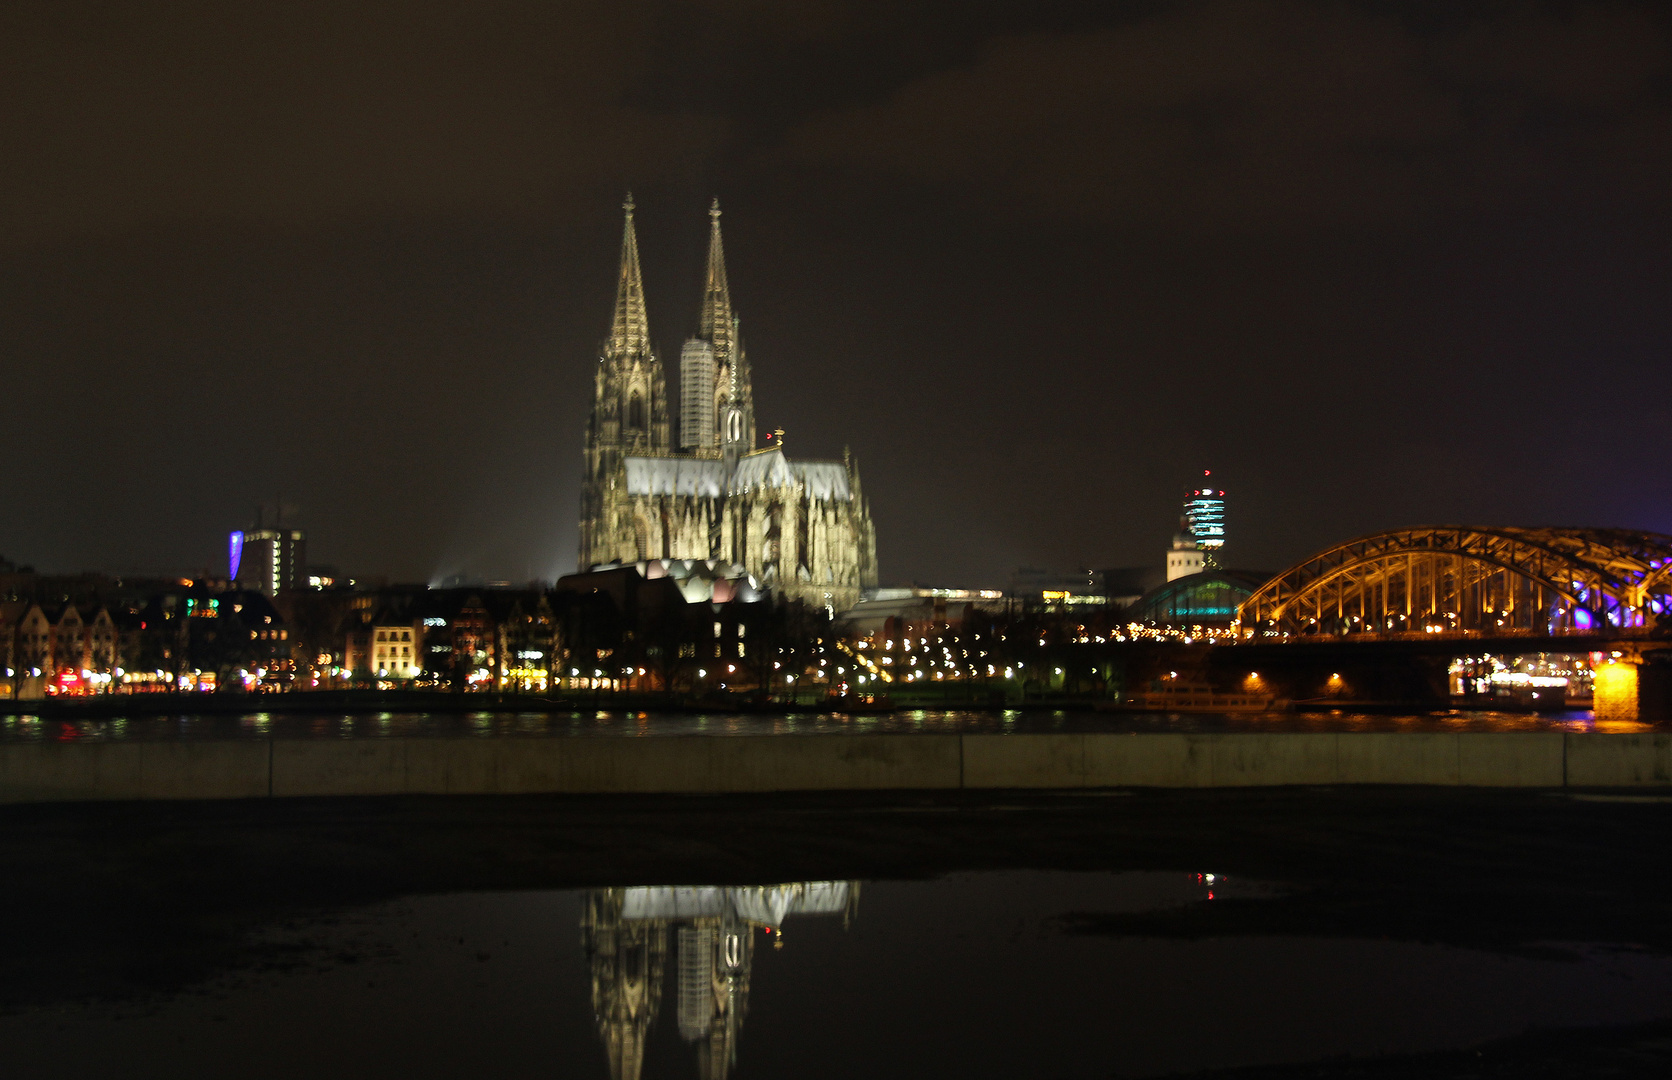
[{"x": 1464, "y": 580}]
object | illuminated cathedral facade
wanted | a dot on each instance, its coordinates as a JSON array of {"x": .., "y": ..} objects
[{"x": 800, "y": 528}]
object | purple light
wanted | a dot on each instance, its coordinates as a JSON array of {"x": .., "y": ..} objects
[{"x": 235, "y": 554}]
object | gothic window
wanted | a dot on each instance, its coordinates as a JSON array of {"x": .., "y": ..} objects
[
  {"x": 635, "y": 412},
  {"x": 734, "y": 426}
]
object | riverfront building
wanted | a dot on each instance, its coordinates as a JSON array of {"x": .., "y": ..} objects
[
  {"x": 1186, "y": 557},
  {"x": 268, "y": 560},
  {"x": 710, "y": 493}
]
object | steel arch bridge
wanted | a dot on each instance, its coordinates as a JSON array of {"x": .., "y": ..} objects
[{"x": 1464, "y": 581}]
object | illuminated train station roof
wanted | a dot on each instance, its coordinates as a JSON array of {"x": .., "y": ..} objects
[
  {"x": 1210, "y": 598},
  {"x": 1471, "y": 580}
]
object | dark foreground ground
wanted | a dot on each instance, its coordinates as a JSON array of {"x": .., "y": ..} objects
[{"x": 121, "y": 901}]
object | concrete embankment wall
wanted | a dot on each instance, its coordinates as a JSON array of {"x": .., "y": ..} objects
[{"x": 55, "y": 772}]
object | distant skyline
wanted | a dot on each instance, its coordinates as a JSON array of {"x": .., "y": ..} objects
[{"x": 1038, "y": 265}]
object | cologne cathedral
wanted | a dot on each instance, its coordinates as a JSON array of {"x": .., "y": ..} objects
[
  {"x": 627, "y": 934},
  {"x": 800, "y": 528}
]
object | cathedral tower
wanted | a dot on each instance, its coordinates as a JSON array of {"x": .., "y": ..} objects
[
  {"x": 629, "y": 394},
  {"x": 715, "y": 390}
]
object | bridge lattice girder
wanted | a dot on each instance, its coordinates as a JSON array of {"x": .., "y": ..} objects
[{"x": 1459, "y": 578}]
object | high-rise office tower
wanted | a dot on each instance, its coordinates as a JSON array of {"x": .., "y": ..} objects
[
  {"x": 268, "y": 559},
  {"x": 1204, "y": 513}
]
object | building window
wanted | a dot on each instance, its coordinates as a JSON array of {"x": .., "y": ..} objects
[
  {"x": 740, "y": 630},
  {"x": 740, "y": 648},
  {"x": 717, "y": 629},
  {"x": 635, "y": 412}
]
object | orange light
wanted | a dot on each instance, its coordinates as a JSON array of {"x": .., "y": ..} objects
[{"x": 1614, "y": 691}]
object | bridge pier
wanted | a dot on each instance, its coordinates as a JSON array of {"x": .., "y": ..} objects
[
  {"x": 1633, "y": 685},
  {"x": 1614, "y": 689}
]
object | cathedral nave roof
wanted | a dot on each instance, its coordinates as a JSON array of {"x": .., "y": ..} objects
[
  {"x": 826, "y": 480},
  {"x": 676, "y": 476},
  {"x": 822, "y": 480}
]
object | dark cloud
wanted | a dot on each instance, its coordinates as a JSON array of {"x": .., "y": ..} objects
[
  {"x": 1262, "y": 114},
  {"x": 122, "y": 115}
]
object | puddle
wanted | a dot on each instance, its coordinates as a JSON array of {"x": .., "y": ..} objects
[{"x": 973, "y": 975}]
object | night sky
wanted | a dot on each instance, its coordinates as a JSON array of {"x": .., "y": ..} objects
[{"x": 1375, "y": 264}]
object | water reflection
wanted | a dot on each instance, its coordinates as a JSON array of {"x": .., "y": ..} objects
[
  {"x": 513, "y": 724},
  {"x": 626, "y": 933},
  {"x": 991, "y": 974}
]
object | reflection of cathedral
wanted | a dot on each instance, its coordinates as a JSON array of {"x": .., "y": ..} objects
[
  {"x": 625, "y": 933},
  {"x": 800, "y": 527}
]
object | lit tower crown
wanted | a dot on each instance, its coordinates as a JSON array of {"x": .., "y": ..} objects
[{"x": 1204, "y": 514}]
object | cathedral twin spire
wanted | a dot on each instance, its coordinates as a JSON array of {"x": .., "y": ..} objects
[
  {"x": 630, "y": 332},
  {"x": 717, "y": 406},
  {"x": 714, "y": 324}
]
